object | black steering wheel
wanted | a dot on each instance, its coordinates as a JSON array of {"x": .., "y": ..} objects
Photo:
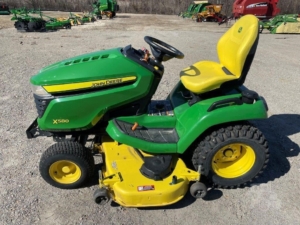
[{"x": 161, "y": 50}]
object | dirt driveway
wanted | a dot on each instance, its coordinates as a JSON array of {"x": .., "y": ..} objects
[{"x": 275, "y": 74}]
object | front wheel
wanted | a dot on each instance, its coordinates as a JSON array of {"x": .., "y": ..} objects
[
  {"x": 232, "y": 156},
  {"x": 198, "y": 190},
  {"x": 66, "y": 165},
  {"x": 101, "y": 196}
]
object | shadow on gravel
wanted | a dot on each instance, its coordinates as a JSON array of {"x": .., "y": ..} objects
[
  {"x": 123, "y": 16},
  {"x": 188, "y": 199},
  {"x": 95, "y": 179},
  {"x": 277, "y": 130}
]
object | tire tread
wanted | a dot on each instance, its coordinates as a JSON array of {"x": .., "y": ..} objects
[{"x": 244, "y": 131}]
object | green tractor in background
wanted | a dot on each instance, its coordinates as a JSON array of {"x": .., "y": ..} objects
[
  {"x": 282, "y": 24},
  {"x": 4, "y": 9},
  {"x": 105, "y": 7},
  {"x": 195, "y": 8}
]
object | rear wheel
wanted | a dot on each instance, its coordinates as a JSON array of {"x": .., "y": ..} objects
[
  {"x": 232, "y": 156},
  {"x": 66, "y": 165}
]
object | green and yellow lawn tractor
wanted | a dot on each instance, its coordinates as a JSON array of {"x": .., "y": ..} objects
[{"x": 89, "y": 105}]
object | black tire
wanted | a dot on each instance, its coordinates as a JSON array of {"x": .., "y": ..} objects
[
  {"x": 39, "y": 25},
  {"x": 68, "y": 26},
  {"x": 101, "y": 196},
  {"x": 198, "y": 190},
  {"x": 20, "y": 25},
  {"x": 32, "y": 26},
  {"x": 66, "y": 165},
  {"x": 232, "y": 156}
]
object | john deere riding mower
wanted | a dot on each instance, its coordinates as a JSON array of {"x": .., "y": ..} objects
[{"x": 101, "y": 103}]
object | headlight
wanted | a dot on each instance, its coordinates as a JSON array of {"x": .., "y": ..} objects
[
  {"x": 40, "y": 91},
  {"x": 42, "y": 99}
]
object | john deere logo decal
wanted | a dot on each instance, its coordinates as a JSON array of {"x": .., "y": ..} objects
[
  {"x": 240, "y": 29},
  {"x": 107, "y": 82},
  {"x": 89, "y": 84}
]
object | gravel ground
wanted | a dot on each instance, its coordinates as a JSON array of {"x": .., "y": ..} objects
[{"x": 275, "y": 74}]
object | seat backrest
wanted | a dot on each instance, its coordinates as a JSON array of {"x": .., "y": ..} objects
[{"x": 236, "y": 48}]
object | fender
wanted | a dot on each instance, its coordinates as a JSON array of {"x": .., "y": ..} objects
[{"x": 192, "y": 121}]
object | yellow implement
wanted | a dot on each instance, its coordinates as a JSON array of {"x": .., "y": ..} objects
[{"x": 123, "y": 181}]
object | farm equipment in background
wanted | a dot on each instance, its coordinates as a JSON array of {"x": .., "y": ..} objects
[
  {"x": 25, "y": 21},
  {"x": 105, "y": 7},
  {"x": 211, "y": 14},
  {"x": 262, "y": 9},
  {"x": 194, "y": 8},
  {"x": 75, "y": 19},
  {"x": 4, "y": 9},
  {"x": 282, "y": 24},
  {"x": 57, "y": 23},
  {"x": 87, "y": 18}
]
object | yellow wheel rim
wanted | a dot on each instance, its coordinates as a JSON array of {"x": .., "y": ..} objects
[
  {"x": 65, "y": 172},
  {"x": 233, "y": 160}
]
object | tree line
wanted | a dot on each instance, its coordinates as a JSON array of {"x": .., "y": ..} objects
[{"x": 169, "y": 7}]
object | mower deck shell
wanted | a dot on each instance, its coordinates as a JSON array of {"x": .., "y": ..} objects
[{"x": 128, "y": 187}]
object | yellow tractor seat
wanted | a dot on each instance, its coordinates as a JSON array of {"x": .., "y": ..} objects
[{"x": 236, "y": 50}]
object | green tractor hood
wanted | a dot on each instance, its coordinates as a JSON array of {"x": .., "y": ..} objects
[{"x": 84, "y": 68}]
